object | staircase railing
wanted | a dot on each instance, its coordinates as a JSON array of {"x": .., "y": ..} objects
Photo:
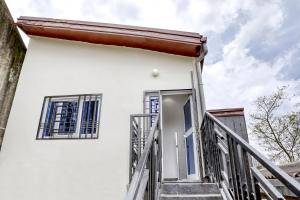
[
  {"x": 228, "y": 158},
  {"x": 145, "y": 161}
]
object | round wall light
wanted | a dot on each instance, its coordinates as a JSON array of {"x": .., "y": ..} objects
[{"x": 155, "y": 73}]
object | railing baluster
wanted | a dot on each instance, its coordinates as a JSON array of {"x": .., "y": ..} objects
[
  {"x": 233, "y": 168},
  {"x": 229, "y": 170},
  {"x": 217, "y": 153},
  {"x": 139, "y": 137},
  {"x": 237, "y": 161},
  {"x": 248, "y": 178},
  {"x": 256, "y": 188},
  {"x": 210, "y": 149},
  {"x": 131, "y": 148},
  {"x": 205, "y": 146}
]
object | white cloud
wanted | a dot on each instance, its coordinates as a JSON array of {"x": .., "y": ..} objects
[{"x": 239, "y": 76}]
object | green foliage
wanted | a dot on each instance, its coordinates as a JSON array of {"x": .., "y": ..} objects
[{"x": 278, "y": 133}]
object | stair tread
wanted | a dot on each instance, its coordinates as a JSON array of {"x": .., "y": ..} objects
[
  {"x": 190, "y": 188},
  {"x": 191, "y": 198},
  {"x": 190, "y": 195},
  {"x": 187, "y": 182}
]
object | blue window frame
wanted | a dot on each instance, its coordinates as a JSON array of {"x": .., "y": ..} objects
[
  {"x": 70, "y": 117},
  {"x": 154, "y": 106}
]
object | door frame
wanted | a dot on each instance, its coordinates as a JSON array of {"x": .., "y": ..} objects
[
  {"x": 178, "y": 92},
  {"x": 160, "y": 93},
  {"x": 192, "y": 131}
]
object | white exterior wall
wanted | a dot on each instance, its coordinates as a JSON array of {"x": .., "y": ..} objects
[{"x": 33, "y": 169}]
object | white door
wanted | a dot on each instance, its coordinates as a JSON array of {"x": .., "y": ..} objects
[{"x": 190, "y": 140}]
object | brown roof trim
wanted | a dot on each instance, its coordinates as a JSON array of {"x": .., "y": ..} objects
[
  {"x": 168, "y": 41},
  {"x": 227, "y": 112}
]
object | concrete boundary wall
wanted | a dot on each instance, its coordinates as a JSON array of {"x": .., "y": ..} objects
[{"x": 12, "y": 52}]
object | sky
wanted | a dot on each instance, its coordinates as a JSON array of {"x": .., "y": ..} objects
[{"x": 253, "y": 45}]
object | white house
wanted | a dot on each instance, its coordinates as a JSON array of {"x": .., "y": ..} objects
[
  {"x": 108, "y": 112},
  {"x": 79, "y": 85}
]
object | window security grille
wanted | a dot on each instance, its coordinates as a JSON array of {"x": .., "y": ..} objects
[
  {"x": 70, "y": 117},
  {"x": 151, "y": 104},
  {"x": 154, "y": 104},
  {"x": 89, "y": 117},
  {"x": 154, "y": 107}
]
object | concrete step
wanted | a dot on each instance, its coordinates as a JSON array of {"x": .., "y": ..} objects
[
  {"x": 190, "y": 196},
  {"x": 189, "y": 188}
]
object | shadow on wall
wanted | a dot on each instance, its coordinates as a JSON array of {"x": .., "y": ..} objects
[{"x": 12, "y": 53}]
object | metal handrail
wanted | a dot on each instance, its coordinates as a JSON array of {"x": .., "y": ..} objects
[
  {"x": 141, "y": 166},
  {"x": 237, "y": 146}
]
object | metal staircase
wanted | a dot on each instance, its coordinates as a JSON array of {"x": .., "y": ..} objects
[
  {"x": 227, "y": 161},
  {"x": 227, "y": 166}
]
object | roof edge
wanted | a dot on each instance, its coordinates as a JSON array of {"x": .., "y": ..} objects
[
  {"x": 102, "y": 24},
  {"x": 161, "y": 40},
  {"x": 226, "y": 112}
]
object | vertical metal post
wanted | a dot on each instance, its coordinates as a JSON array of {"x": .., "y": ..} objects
[
  {"x": 139, "y": 140},
  {"x": 233, "y": 168},
  {"x": 238, "y": 169},
  {"x": 246, "y": 165},
  {"x": 205, "y": 132},
  {"x": 130, "y": 148},
  {"x": 256, "y": 188}
]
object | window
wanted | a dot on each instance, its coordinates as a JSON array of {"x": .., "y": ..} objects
[
  {"x": 74, "y": 117},
  {"x": 154, "y": 104},
  {"x": 151, "y": 104}
]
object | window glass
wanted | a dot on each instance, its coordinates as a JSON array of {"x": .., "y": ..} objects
[
  {"x": 154, "y": 104},
  {"x": 89, "y": 117},
  {"x": 49, "y": 116},
  {"x": 187, "y": 116},
  {"x": 73, "y": 116},
  {"x": 68, "y": 117}
]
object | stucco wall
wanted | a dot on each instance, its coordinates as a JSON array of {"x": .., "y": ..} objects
[
  {"x": 12, "y": 52},
  {"x": 80, "y": 169}
]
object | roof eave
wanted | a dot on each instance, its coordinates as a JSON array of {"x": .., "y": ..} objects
[
  {"x": 227, "y": 112},
  {"x": 173, "y": 42}
]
